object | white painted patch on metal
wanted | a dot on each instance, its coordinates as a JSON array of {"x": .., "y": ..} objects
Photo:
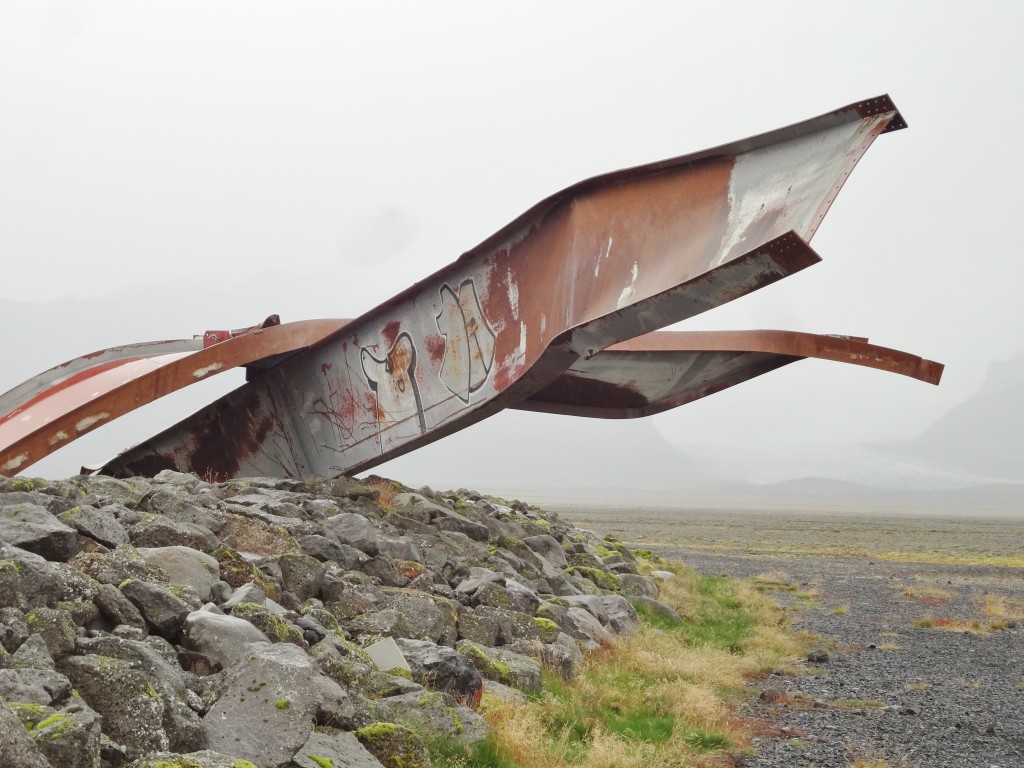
[
  {"x": 513, "y": 294},
  {"x": 604, "y": 254},
  {"x": 787, "y": 182},
  {"x": 630, "y": 290},
  {"x": 58, "y": 437},
  {"x": 16, "y": 462},
  {"x": 201, "y": 373},
  {"x": 89, "y": 421}
]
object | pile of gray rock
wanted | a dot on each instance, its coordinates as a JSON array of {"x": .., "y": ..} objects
[{"x": 169, "y": 622}]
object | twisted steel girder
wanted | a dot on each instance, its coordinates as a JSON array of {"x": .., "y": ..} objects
[{"x": 538, "y": 316}]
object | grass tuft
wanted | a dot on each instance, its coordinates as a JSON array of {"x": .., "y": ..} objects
[{"x": 663, "y": 696}]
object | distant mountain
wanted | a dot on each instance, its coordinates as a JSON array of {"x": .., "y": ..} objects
[{"x": 984, "y": 435}]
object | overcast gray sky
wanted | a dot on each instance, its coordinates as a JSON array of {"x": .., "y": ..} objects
[{"x": 223, "y": 161}]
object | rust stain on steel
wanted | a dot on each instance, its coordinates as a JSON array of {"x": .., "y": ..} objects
[
  {"x": 605, "y": 260},
  {"x": 60, "y": 405},
  {"x": 664, "y": 370}
]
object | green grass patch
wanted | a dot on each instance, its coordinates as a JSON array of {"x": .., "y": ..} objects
[
  {"x": 663, "y": 696},
  {"x": 451, "y": 753},
  {"x": 640, "y": 725}
]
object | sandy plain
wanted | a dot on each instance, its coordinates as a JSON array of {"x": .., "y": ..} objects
[{"x": 988, "y": 537}]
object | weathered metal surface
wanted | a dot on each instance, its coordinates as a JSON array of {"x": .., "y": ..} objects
[
  {"x": 601, "y": 262},
  {"x": 56, "y": 407},
  {"x": 666, "y": 369}
]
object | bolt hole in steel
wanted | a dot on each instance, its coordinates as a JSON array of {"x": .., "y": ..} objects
[{"x": 525, "y": 321}]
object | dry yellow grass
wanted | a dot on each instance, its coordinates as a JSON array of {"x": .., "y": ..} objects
[
  {"x": 950, "y": 624},
  {"x": 924, "y": 593},
  {"x": 689, "y": 684},
  {"x": 385, "y": 494},
  {"x": 1005, "y": 608}
]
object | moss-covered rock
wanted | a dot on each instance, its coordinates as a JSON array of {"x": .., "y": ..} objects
[
  {"x": 503, "y": 666},
  {"x": 274, "y": 627},
  {"x": 236, "y": 571},
  {"x": 603, "y": 580},
  {"x": 394, "y": 745},
  {"x": 131, "y": 707},
  {"x": 547, "y": 629},
  {"x": 203, "y": 759},
  {"x": 57, "y": 629}
]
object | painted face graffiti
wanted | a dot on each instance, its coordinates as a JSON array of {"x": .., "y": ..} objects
[
  {"x": 469, "y": 341},
  {"x": 393, "y": 381}
]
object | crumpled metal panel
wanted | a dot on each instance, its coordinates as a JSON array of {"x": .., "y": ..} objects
[
  {"x": 60, "y": 405},
  {"x": 604, "y": 261},
  {"x": 666, "y": 369}
]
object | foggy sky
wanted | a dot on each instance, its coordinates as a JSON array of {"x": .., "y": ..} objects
[{"x": 168, "y": 168}]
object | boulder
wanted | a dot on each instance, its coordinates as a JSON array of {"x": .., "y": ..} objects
[
  {"x": 161, "y": 609},
  {"x": 276, "y": 629},
  {"x": 512, "y": 625},
  {"x": 159, "y": 663},
  {"x": 69, "y": 739},
  {"x": 266, "y": 706},
  {"x": 185, "y": 565},
  {"x": 547, "y": 547},
  {"x": 442, "y": 669},
  {"x": 100, "y": 525},
  {"x": 587, "y": 629},
  {"x": 343, "y": 662},
  {"x": 117, "y": 608},
  {"x": 425, "y": 618},
  {"x": 504, "y": 666},
  {"x": 203, "y": 759},
  {"x": 301, "y": 575},
  {"x": 394, "y": 746},
  {"x": 34, "y": 686},
  {"x": 156, "y": 531},
  {"x": 221, "y": 638},
  {"x": 430, "y": 713},
  {"x": 13, "y": 629},
  {"x": 174, "y": 505},
  {"x": 32, "y": 528},
  {"x": 446, "y": 520},
  {"x": 635, "y": 585},
  {"x": 354, "y": 530},
  {"x": 621, "y": 615},
  {"x": 112, "y": 567},
  {"x": 57, "y": 629},
  {"x": 16, "y": 745},
  {"x": 131, "y": 707},
  {"x": 32, "y": 654},
  {"x": 336, "y": 749},
  {"x": 563, "y": 655}
]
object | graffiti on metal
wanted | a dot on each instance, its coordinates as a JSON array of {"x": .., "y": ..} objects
[{"x": 554, "y": 313}]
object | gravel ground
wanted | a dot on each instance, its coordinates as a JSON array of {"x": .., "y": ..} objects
[{"x": 889, "y": 690}]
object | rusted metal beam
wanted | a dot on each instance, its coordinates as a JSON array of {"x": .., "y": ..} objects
[
  {"x": 60, "y": 405},
  {"x": 603, "y": 261},
  {"x": 666, "y": 369}
]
